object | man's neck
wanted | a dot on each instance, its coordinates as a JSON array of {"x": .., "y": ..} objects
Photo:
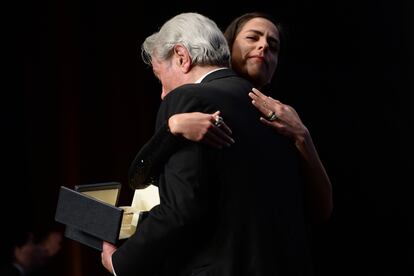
[
  {"x": 196, "y": 75},
  {"x": 199, "y": 72}
]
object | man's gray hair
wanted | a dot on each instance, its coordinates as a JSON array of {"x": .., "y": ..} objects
[{"x": 198, "y": 34}]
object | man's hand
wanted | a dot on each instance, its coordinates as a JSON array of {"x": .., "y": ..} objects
[{"x": 107, "y": 250}]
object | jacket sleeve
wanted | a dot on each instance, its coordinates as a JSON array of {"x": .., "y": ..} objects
[
  {"x": 146, "y": 166},
  {"x": 183, "y": 198}
]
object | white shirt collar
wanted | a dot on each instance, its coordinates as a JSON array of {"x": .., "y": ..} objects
[{"x": 214, "y": 70}]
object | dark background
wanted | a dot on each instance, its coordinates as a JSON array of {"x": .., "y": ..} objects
[{"x": 84, "y": 103}]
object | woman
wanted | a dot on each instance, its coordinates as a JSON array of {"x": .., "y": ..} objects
[{"x": 254, "y": 41}]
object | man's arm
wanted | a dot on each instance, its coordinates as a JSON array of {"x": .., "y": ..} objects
[
  {"x": 183, "y": 194},
  {"x": 145, "y": 168}
]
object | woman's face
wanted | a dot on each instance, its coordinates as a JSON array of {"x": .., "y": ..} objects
[{"x": 255, "y": 51}]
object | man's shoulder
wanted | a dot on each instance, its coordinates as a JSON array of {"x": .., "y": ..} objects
[
  {"x": 182, "y": 92},
  {"x": 209, "y": 94},
  {"x": 220, "y": 79},
  {"x": 226, "y": 75},
  {"x": 186, "y": 98}
]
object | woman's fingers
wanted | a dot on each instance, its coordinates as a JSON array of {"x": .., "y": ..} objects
[
  {"x": 268, "y": 106},
  {"x": 261, "y": 105},
  {"x": 222, "y": 133},
  {"x": 224, "y": 130},
  {"x": 221, "y": 125},
  {"x": 217, "y": 138},
  {"x": 218, "y": 135},
  {"x": 258, "y": 93}
]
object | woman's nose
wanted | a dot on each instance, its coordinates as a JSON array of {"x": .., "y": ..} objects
[{"x": 263, "y": 43}]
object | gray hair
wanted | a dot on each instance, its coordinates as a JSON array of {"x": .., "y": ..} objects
[{"x": 198, "y": 34}]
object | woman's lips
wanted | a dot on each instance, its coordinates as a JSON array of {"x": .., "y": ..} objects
[{"x": 258, "y": 58}]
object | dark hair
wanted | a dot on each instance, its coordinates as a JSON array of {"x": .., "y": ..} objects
[{"x": 237, "y": 24}]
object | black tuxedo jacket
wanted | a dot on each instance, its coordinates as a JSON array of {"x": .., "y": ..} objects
[{"x": 236, "y": 211}]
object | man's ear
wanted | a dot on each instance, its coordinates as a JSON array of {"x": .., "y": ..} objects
[{"x": 183, "y": 58}]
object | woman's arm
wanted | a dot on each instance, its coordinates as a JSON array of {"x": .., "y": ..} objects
[
  {"x": 285, "y": 120},
  {"x": 209, "y": 129}
]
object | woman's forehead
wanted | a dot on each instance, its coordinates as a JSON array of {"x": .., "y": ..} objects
[{"x": 262, "y": 25}]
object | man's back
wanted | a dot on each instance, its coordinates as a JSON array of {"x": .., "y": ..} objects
[{"x": 247, "y": 215}]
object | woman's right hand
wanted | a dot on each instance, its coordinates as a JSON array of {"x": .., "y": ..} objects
[
  {"x": 201, "y": 127},
  {"x": 282, "y": 117}
]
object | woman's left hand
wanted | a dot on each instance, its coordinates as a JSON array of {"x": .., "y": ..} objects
[{"x": 282, "y": 117}]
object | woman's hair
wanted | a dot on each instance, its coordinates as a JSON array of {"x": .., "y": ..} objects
[
  {"x": 202, "y": 38},
  {"x": 237, "y": 24}
]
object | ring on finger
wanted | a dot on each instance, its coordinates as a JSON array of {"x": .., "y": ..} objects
[
  {"x": 218, "y": 121},
  {"x": 272, "y": 116}
]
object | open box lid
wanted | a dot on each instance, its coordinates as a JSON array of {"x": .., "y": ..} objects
[{"x": 107, "y": 192}]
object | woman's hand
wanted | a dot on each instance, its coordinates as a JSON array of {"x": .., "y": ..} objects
[
  {"x": 285, "y": 119},
  {"x": 282, "y": 117},
  {"x": 209, "y": 129}
]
